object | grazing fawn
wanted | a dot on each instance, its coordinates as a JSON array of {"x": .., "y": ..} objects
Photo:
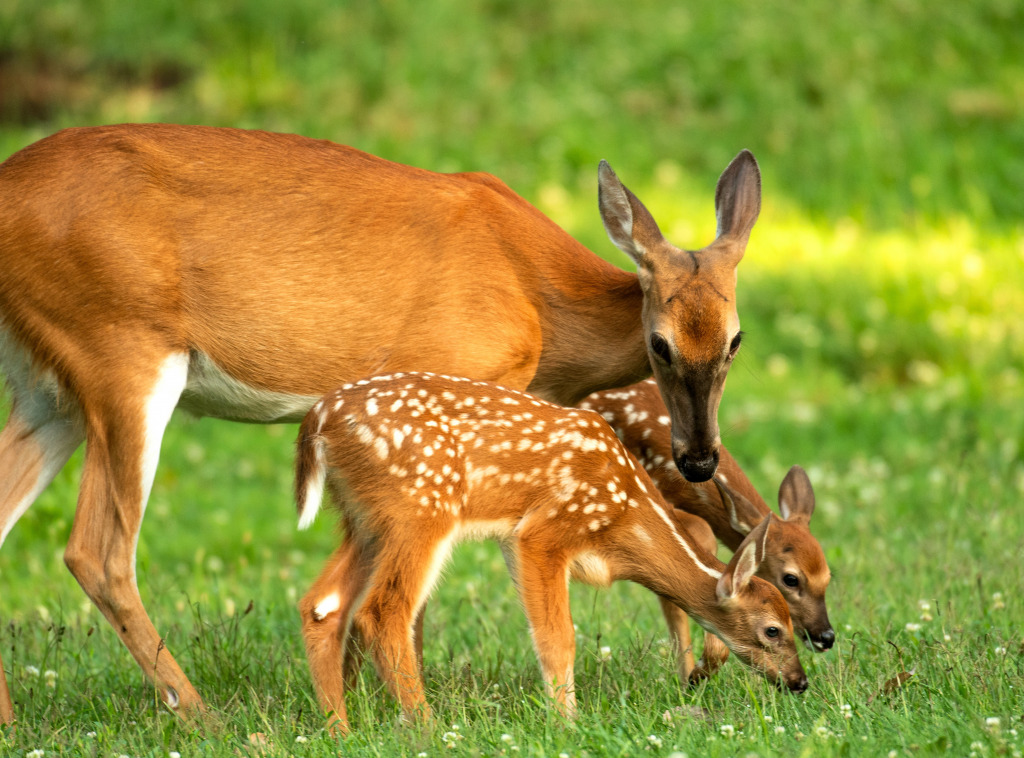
[
  {"x": 731, "y": 507},
  {"x": 149, "y": 266},
  {"x": 418, "y": 462}
]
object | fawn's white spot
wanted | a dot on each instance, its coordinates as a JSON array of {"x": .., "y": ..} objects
[{"x": 327, "y": 606}]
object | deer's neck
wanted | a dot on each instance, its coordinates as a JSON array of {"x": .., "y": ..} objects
[{"x": 593, "y": 335}]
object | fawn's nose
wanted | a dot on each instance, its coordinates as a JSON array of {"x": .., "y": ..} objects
[
  {"x": 798, "y": 685},
  {"x": 826, "y": 639}
]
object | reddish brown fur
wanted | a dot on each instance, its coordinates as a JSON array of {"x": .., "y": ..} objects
[
  {"x": 280, "y": 266},
  {"x": 637, "y": 414},
  {"x": 553, "y": 485}
]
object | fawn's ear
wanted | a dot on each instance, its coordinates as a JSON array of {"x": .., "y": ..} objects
[
  {"x": 743, "y": 516},
  {"x": 796, "y": 496},
  {"x": 745, "y": 562}
]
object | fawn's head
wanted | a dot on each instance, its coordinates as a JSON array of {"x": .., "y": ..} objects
[
  {"x": 753, "y": 618},
  {"x": 793, "y": 559},
  {"x": 690, "y": 321}
]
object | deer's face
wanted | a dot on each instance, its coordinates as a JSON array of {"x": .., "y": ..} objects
[
  {"x": 762, "y": 635},
  {"x": 690, "y": 321},
  {"x": 795, "y": 563},
  {"x": 693, "y": 334}
]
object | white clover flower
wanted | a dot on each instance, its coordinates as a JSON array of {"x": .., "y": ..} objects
[
  {"x": 846, "y": 710},
  {"x": 992, "y": 722},
  {"x": 677, "y": 754},
  {"x": 780, "y": 730},
  {"x": 174, "y": 754},
  {"x": 91, "y": 735},
  {"x": 997, "y": 601},
  {"x": 767, "y": 719},
  {"x": 35, "y": 754},
  {"x": 300, "y": 739},
  {"x": 563, "y": 755},
  {"x": 506, "y": 738},
  {"x": 893, "y": 754},
  {"x": 654, "y": 740},
  {"x": 823, "y": 732},
  {"x": 422, "y": 754},
  {"x": 912, "y": 627},
  {"x": 946, "y": 638},
  {"x": 924, "y": 605},
  {"x": 1000, "y": 650},
  {"x": 32, "y": 670},
  {"x": 514, "y": 748},
  {"x": 449, "y": 737},
  {"x": 666, "y": 717},
  {"x": 727, "y": 730},
  {"x": 977, "y": 746},
  {"x": 604, "y": 654}
]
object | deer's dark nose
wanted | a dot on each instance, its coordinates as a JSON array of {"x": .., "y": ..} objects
[
  {"x": 698, "y": 468},
  {"x": 826, "y": 639}
]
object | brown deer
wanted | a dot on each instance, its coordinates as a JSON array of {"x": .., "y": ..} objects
[
  {"x": 794, "y": 561},
  {"x": 242, "y": 274},
  {"x": 418, "y": 462}
]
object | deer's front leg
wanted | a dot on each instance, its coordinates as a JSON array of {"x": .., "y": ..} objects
[
  {"x": 715, "y": 654},
  {"x": 679, "y": 631},
  {"x": 543, "y": 583}
]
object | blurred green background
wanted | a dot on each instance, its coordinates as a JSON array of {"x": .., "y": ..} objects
[{"x": 882, "y": 295}]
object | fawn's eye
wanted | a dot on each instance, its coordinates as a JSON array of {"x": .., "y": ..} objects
[
  {"x": 735, "y": 344},
  {"x": 659, "y": 346},
  {"x": 790, "y": 580},
  {"x": 772, "y": 631}
]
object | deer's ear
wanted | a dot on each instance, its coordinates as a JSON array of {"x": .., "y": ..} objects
[
  {"x": 738, "y": 199},
  {"x": 745, "y": 562},
  {"x": 743, "y": 516},
  {"x": 628, "y": 223},
  {"x": 796, "y": 496}
]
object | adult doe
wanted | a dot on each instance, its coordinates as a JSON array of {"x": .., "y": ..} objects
[{"x": 242, "y": 274}]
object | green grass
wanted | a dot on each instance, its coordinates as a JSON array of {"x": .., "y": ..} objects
[{"x": 882, "y": 296}]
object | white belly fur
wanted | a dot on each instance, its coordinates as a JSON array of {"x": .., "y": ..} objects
[{"x": 209, "y": 391}]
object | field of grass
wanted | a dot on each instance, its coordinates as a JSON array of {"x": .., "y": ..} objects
[{"x": 882, "y": 296}]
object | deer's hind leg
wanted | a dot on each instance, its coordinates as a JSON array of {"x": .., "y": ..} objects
[
  {"x": 405, "y": 571},
  {"x": 125, "y": 423},
  {"x": 326, "y": 612},
  {"x": 34, "y": 446}
]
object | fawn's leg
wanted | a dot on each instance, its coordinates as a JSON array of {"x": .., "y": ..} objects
[
  {"x": 715, "y": 654},
  {"x": 679, "y": 631},
  {"x": 715, "y": 651},
  {"x": 404, "y": 575},
  {"x": 543, "y": 584},
  {"x": 326, "y": 612}
]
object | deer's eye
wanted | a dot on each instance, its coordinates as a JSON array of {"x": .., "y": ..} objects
[
  {"x": 790, "y": 580},
  {"x": 772, "y": 631},
  {"x": 659, "y": 346},
  {"x": 735, "y": 345}
]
